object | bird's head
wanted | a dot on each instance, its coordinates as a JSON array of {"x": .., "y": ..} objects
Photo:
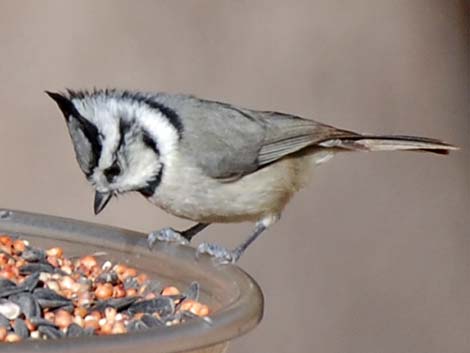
[{"x": 119, "y": 138}]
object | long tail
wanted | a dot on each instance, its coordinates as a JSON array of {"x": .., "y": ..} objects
[{"x": 389, "y": 143}]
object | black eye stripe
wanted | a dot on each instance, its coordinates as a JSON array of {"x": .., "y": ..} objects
[
  {"x": 124, "y": 127},
  {"x": 150, "y": 142}
]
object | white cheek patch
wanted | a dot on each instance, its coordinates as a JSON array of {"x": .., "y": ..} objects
[
  {"x": 103, "y": 115},
  {"x": 161, "y": 130},
  {"x": 143, "y": 165}
]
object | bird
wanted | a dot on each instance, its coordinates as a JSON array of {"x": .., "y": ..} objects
[{"x": 203, "y": 160}]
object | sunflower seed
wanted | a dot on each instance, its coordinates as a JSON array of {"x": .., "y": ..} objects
[
  {"x": 153, "y": 287},
  {"x": 177, "y": 297},
  {"x": 50, "y": 332},
  {"x": 136, "y": 325},
  {"x": 75, "y": 330},
  {"x": 193, "y": 291},
  {"x": 89, "y": 331},
  {"x": 131, "y": 282},
  {"x": 108, "y": 277},
  {"x": 190, "y": 315},
  {"x": 164, "y": 306},
  {"x": 6, "y": 284},
  {"x": 20, "y": 328},
  {"x": 47, "y": 298},
  {"x": 176, "y": 316},
  {"x": 4, "y": 322},
  {"x": 39, "y": 321},
  {"x": 31, "y": 282},
  {"x": 33, "y": 255},
  {"x": 28, "y": 305},
  {"x": 151, "y": 321},
  {"x": 69, "y": 308},
  {"x": 8, "y": 288},
  {"x": 117, "y": 303},
  {"x": 36, "y": 267}
]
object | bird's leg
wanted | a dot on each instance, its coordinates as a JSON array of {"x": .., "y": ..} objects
[
  {"x": 224, "y": 255},
  {"x": 189, "y": 233},
  {"x": 174, "y": 236}
]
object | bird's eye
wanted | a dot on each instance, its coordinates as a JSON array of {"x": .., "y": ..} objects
[{"x": 113, "y": 171}]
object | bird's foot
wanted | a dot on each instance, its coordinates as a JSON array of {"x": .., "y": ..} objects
[
  {"x": 219, "y": 253},
  {"x": 168, "y": 235}
]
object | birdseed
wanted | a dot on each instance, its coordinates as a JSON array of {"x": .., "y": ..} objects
[{"x": 46, "y": 295}]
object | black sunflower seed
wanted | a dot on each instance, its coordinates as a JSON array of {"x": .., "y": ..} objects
[
  {"x": 36, "y": 267},
  {"x": 176, "y": 316},
  {"x": 4, "y": 322},
  {"x": 6, "y": 284},
  {"x": 189, "y": 315},
  {"x": 10, "y": 292},
  {"x": 31, "y": 282},
  {"x": 131, "y": 282},
  {"x": 75, "y": 330},
  {"x": 177, "y": 297},
  {"x": 33, "y": 255},
  {"x": 117, "y": 303},
  {"x": 29, "y": 306},
  {"x": 8, "y": 288},
  {"x": 69, "y": 308},
  {"x": 193, "y": 291},
  {"x": 136, "y": 325},
  {"x": 108, "y": 277},
  {"x": 39, "y": 321},
  {"x": 47, "y": 298},
  {"x": 20, "y": 328},
  {"x": 151, "y": 321},
  {"x": 153, "y": 287},
  {"x": 164, "y": 306},
  {"x": 50, "y": 332},
  {"x": 89, "y": 331}
]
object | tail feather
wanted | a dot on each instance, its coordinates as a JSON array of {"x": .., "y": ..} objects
[{"x": 389, "y": 143}]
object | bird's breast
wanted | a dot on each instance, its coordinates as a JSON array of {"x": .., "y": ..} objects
[{"x": 187, "y": 192}]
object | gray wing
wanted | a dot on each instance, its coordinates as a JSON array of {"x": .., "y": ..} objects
[
  {"x": 286, "y": 134},
  {"x": 227, "y": 141},
  {"x": 222, "y": 140}
]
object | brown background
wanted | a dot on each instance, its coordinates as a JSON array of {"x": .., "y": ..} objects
[{"x": 374, "y": 256}]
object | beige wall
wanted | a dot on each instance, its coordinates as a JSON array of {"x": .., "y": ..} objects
[{"x": 374, "y": 256}]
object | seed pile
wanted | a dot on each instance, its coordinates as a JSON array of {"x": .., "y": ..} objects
[{"x": 45, "y": 295}]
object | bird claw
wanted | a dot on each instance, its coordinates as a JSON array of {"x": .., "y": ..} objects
[
  {"x": 220, "y": 254},
  {"x": 168, "y": 235}
]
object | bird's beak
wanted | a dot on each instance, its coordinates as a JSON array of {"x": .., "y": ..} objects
[{"x": 101, "y": 200}]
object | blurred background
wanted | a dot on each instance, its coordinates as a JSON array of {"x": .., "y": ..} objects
[{"x": 374, "y": 256}]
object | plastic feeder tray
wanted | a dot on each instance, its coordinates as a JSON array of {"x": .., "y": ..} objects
[{"x": 235, "y": 299}]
